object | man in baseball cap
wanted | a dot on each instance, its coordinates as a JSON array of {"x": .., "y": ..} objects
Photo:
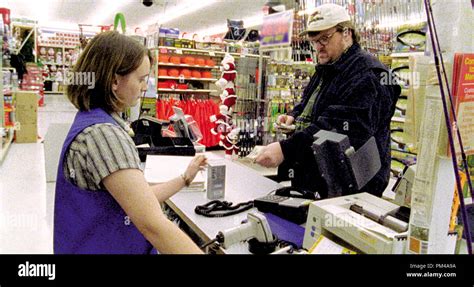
[
  {"x": 323, "y": 25},
  {"x": 346, "y": 94}
]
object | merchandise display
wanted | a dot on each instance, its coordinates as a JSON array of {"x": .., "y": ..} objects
[
  {"x": 248, "y": 104},
  {"x": 199, "y": 109},
  {"x": 195, "y": 73},
  {"x": 8, "y": 85},
  {"x": 8, "y": 120},
  {"x": 286, "y": 81},
  {"x": 187, "y": 77},
  {"x": 229, "y": 139}
]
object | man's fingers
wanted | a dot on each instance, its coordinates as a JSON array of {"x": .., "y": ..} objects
[
  {"x": 260, "y": 159},
  {"x": 264, "y": 161}
]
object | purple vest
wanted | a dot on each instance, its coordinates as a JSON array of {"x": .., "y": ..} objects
[{"x": 91, "y": 222}]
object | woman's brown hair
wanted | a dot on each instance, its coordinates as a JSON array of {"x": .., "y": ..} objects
[{"x": 106, "y": 55}]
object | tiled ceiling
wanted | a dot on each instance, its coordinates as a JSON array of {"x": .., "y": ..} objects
[{"x": 69, "y": 13}]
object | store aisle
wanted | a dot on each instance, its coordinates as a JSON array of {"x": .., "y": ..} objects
[{"x": 26, "y": 206}]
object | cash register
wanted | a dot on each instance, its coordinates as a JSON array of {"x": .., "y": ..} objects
[
  {"x": 363, "y": 222},
  {"x": 153, "y": 136}
]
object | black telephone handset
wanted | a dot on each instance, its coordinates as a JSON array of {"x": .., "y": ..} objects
[{"x": 290, "y": 191}]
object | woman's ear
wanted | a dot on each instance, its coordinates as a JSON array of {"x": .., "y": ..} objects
[{"x": 115, "y": 83}]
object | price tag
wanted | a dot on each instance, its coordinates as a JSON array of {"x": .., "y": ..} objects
[
  {"x": 179, "y": 51},
  {"x": 212, "y": 54}
]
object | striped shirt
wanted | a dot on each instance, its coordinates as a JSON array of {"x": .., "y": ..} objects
[
  {"x": 98, "y": 151},
  {"x": 304, "y": 120}
]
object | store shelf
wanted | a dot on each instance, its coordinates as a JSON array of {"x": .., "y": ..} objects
[
  {"x": 209, "y": 52},
  {"x": 189, "y": 79},
  {"x": 398, "y": 119},
  {"x": 57, "y": 46},
  {"x": 187, "y": 66},
  {"x": 251, "y": 100},
  {"x": 186, "y": 91},
  {"x": 24, "y": 25},
  {"x": 408, "y": 153},
  {"x": 53, "y": 93},
  {"x": 405, "y": 55},
  {"x": 51, "y": 45}
]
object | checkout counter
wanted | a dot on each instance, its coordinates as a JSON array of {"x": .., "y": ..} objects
[
  {"x": 332, "y": 218},
  {"x": 359, "y": 222},
  {"x": 242, "y": 184}
]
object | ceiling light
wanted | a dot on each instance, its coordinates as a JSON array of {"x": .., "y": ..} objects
[
  {"x": 105, "y": 12},
  {"x": 35, "y": 10}
]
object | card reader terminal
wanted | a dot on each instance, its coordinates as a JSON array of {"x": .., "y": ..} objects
[{"x": 290, "y": 208}]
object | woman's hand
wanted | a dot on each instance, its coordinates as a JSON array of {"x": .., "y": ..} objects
[{"x": 198, "y": 163}]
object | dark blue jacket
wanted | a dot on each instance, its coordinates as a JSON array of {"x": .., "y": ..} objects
[{"x": 356, "y": 99}]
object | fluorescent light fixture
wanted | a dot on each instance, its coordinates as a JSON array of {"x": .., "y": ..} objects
[
  {"x": 178, "y": 11},
  {"x": 34, "y": 10},
  {"x": 106, "y": 10},
  {"x": 187, "y": 8},
  {"x": 217, "y": 29},
  {"x": 255, "y": 20}
]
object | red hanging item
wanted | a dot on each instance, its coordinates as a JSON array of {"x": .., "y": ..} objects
[{"x": 200, "y": 110}]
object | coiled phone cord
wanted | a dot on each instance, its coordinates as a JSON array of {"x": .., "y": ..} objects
[{"x": 217, "y": 208}]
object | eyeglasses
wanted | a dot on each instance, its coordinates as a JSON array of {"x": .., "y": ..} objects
[{"x": 324, "y": 40}]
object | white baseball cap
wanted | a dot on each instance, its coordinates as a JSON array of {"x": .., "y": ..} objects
[{"x": 326, "y": 16}]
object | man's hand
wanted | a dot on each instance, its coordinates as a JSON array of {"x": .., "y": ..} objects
[
  {"x": 270, "y": 156},
  {"x": 285, "y": 119}
]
